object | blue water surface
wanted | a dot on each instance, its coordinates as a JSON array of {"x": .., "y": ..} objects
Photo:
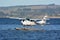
[{"x": 49, "y": 31}]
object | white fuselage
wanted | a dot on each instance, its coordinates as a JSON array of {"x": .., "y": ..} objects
[
  {"x": 41, "y": 22},
  {"x": 27, "y": 22}
]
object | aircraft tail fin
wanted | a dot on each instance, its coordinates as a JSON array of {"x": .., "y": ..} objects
[{"x": 45, "y": 18}]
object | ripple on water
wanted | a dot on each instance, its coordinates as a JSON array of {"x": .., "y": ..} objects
[{"x": 29, "y": 35}]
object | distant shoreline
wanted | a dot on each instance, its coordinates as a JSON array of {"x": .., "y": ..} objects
[{"x": 36, "y": 17}]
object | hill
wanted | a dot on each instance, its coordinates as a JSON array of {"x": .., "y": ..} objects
[{"x": 30, "y": 11}]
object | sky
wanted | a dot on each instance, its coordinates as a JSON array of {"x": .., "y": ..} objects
[{"x": 27, "y": 2}]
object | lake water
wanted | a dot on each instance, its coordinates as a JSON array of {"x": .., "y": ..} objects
[{"x": 50, "y": 31}]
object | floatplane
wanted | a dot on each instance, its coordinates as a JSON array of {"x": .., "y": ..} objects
[
  {"x": 27, "y": 21},
  {"x": 30, "y": 22},
  {"x": 33, "y": 21}
]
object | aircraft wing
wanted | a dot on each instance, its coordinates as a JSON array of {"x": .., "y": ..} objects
[
  {"x": 15, "y": 18},
  {"x": 21, "y": 18}
]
